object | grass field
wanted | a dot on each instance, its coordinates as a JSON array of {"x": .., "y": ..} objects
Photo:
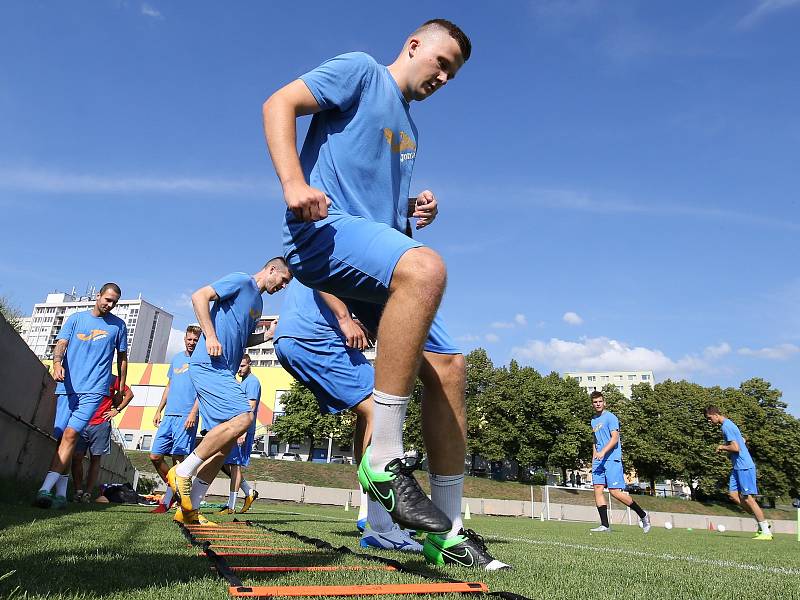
[{"x": 113, "y": 551}]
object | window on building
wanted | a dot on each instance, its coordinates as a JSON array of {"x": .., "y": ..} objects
[
  {"x": 591, "y": 378},
  {"x": 577, "y": 378},
  {"x": 631, "y": 377},
  {"x": 603, "y": 377},
  {"x": 618, "y": 377},
  {"x": 645, "y": 377}
]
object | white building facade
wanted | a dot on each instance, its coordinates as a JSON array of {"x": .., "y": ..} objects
[
  {"x": 148, "y": 325},
  {"x": 623, "y": 380}
]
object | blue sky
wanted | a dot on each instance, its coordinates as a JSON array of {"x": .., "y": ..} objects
[{"x": 617, "y": 181}]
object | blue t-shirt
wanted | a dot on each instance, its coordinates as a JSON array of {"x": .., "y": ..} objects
[
  {"x": 91, "y": 342},
  {"x": 305, "y": 315},
  {"x": 360, "y": 148},
  {"x": 741, "y": 459},
  {"x": 252, "y": 388},
  {"x": 602, "y": 426},
  {"x": 182, "y": 394},
  {"x": 234, "y": 315}
]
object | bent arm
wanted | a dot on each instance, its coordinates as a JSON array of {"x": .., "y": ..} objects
[
  {"x": 200, "y": 302},
  {"x": 731, "y": 446},
  {"x": 122, "y": 369},
  {"x": 58, "y": 359},
  {"x": 611, "y": 443}
]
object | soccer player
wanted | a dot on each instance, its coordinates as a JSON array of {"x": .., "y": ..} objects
[
  {"x": 319, "y": 343},
  {"x": 82, "y": 367},
  {"x": 227, "y": 330},
  {"x": 239, "y": 456},
  {"x": 96, "y": 438},
  {"x": 177, "y": 429},
  {"x": 607, "y": 465},
  {"x": 347, "y": 207},
  {"x": 742, "y": 487}
]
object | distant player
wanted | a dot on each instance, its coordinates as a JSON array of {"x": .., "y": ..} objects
[
  {"x": 319, "y": 344},
  {"x": 177, "y": 429},
  {"x": 607, "y": 469},
  {"x": 239, "y": 456},
  {"x": 82, "y": 367},
  {"x": 742, "y": 484},
  {"x": 96, "y": 438},
  {"x": 227, "y": 330}
]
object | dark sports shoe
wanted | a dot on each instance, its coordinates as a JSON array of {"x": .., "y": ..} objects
[
  {"x": 399, "y": 493},
  {"x": 43, "y": 499},
  {"x": 467, "y": 549}
]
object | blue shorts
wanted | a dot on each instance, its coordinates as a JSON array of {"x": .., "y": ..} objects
[
  {"x": 96, "y": 439},
  {"x": 608, "y": 473},
  {"x": 240, "y": 455},
  {"x": 74, "y": 411},
  {"x": 172, "y": 438},
  {"x": 221, "y": 397},
  {"x": 338, "y": 376},
  {"x": 743, "y": 481}
]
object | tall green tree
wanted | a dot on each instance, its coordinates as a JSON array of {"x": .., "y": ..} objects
[
  {"x": 302, "y": 420},
  {"x": 12, "y": 313}
]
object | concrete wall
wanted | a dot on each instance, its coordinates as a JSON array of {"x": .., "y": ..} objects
[{"x": 27, "y": 393}]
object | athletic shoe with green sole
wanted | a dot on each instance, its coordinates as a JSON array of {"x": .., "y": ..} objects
[
  {"x": 59, "y": 502},
  {"x": 467, "y": 549},
  {"x": 43, "y": 499},
  {"x": 396, "y": 489},
  {"x": 763, "y": 536}
]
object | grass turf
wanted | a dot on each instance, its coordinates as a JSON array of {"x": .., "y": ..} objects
[{"x": 113, "y": 551}]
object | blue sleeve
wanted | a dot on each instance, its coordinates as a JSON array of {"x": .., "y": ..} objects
[
  {"x": 727, "y": 431},
  {"x": 230, "y": 285},
  {"x": 338, "y": 82},
  {"x": 254, "y": 389},
  {"x": 122, "y": 342},
  {"x": 613, "y": 423},
  {"x": 66, "y": 331},
  {"x": 171, "y": 368}
]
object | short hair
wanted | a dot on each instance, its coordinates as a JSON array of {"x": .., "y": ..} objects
[
  {"x": 247, "y": 356},
  {"x": 712, "y": 410},
  {"x": 111, "y": 286},
  {"x": 194, "y": 329},
  {"x": 455, "y": 32},
  {"x": 278, "y": 262},
  {"x": 596, "y": 394}
]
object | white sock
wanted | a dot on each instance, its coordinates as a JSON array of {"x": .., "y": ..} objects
[
  {"x": 232, "y": 500},
  {"x": 199, "y": 489},
  {"x": 446, "y": 494},
  {"x": 49, "y": 481},
  {"x": 377, "y": 517},
  {"x": 167, "y": 497},
  {"x": 363, "y": 505},
  {"x": 389, "y": 412},
  {"x": 245, "y": 487},
  {"x": 189, "y": 465},
  {"x": 61, "y": 485},
  {"x": 764, "y": 526}
]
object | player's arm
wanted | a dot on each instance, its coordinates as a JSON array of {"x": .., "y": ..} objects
[
  {"x": 191, "y": 418},
  {"x": 280, "y": 113},
  {"x": 425, "y": 208},
  {"x": 58, "y": 359},
  {"x": 259, "y": 338},
  {"x": 161, "y": 405},
  {"x": 122, "y": 371},
  {"x": 354, "y": 335},
  {"x": 127, "y": 396},
  {"x": 731, "y": 446},
  {"x": 611, "y": 443},
  {"x": 200, "y": 301}
]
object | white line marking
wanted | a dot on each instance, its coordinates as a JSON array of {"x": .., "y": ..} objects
[{"x": 300, "y": 514}]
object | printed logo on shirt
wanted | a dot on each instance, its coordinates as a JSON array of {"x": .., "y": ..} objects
[
  {"x": 95, "y": 334},
  {"x": 597, "y": 428},
  {"x": 182, "y": 369},
  {"x": 405, "y": 146}
]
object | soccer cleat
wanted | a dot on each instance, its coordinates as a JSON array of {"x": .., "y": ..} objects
[
  {"x": 226, "y": 511},
  {"x": 86, "y": 497},
  {"x": 467, "y": 549},
  {"x": 396, "y": 489},
  {"x": 644, "y": 523},
  {"x": 182, "y": 487},
  {"x": 191, "y": 517},
  {"x": 203, "y": 521},
  {"x": 601, "y": 529},
  {"x": 394, "y": 539},
  {"x": 59, "y": 502},
  {"x": 763, "y": 536},
  {"x": 43, "y": 499},
  {"x": 78, "y": 495},
  {"x": 248, "y": 501},
  {"x": 160, "y": 509},
  {"x": 361, "y": 525}
]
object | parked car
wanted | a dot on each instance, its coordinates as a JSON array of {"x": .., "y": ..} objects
[
  {"x": 289, "y": 456},
  {"x": 338, "y": 459}
]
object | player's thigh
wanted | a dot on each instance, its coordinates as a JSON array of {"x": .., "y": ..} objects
[{"x": 221, "y": 396}]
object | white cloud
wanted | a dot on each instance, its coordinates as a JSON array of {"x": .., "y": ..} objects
[
  {"x": 175, "y": 343},
  {"x": 779, "y": 352},
  {"x": 492, "y": 338},
  {"x": 718, "y": 351},
  {"x": 763, "y": 9},
  {"x": 605, "y": 354},
  {"x": 572, "y": 318},
  {"x": 520, "y": 319},
  {"x": 149, "y": 11},
  {"x": 502, "y": 325}
]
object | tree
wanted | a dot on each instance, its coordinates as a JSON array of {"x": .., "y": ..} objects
[
  {"x": 302, "y": 420},
  {"x": 12, "y": 313}
]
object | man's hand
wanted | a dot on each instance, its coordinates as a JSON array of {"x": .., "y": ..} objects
[
  {"x": 157, "y": 419},
  {"x": 721, "y": 448},
  {"x": 597, "y": 455},
  {"x": 353, "y": 334},
  {"x": 270, "y": 332},
  {"x": 58, "y": 371},
  {"x": 307, "y": 203},
  {"x": 110, "y": 413},
  {"x": 191, "y": 421},
  {"x": 213, "y": 346},
  {"x": 425, "y": 209}
]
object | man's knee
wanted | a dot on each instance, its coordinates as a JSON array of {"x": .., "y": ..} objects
[
  {"x": 443, "y": 370},
  {"x": 421, "y": 268},
  {"x": 156, "y": 458}
]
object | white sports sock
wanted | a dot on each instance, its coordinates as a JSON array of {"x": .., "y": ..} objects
[
  {"x": 231, "y": 500},
  {"x": 363, "y": 505},
  {"x": 446, "y": 494},
  {"x": 199, "y": 489},
  {"x": 389, "y": 412},
  {"x": 245, "y": 487},
  {"x": 377, "y": 517},
  {"x": 61, "y": 485},
  {"x": 167, "y": 497},
  {"x": 189, "y": 465},
  {"x": 764, "y": 526},
  {"x": 49, "y": 481}
]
